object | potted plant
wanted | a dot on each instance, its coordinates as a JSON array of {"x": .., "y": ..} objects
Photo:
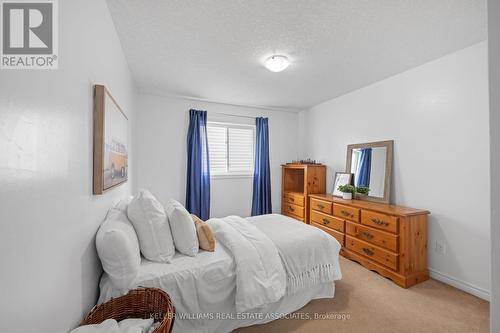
[
  {"x": 347, "y": 191},
  {"x": 362, "y": 191}
]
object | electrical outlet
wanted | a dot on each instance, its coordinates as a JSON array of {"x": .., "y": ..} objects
[{"x": 439, "y": 247}]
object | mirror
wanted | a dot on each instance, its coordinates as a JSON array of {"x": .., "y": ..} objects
[{"x": 371, "y": 165}]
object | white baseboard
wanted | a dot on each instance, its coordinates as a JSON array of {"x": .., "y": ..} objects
[{"x": 459, "y": 284}]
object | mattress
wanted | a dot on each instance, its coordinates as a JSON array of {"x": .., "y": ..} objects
[{"x": 203, "y": 291}]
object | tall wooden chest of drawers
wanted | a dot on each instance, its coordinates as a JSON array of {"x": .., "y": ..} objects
[
  {"x": 298, "y": 181},
  {"x": 388, "y": 239}
]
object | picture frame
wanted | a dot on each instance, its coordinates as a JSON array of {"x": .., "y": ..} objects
[
  {"x": 341, "y": 178},
  {"x": 111, "y": 142}
]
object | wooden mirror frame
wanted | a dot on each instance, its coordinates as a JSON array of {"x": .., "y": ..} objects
[{"x": 388, "y": 167}]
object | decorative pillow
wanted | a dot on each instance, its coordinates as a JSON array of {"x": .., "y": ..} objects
[
  {"x": 183, "y": 229},
  {"x": 123, "y": 204},
  {"x": 118, "y": 249},
  {"x": 151, "y": 225},
  {"x": 205, "y": 234}
]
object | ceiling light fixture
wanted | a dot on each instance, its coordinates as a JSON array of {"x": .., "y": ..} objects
[{"x": 277, "y": 63}]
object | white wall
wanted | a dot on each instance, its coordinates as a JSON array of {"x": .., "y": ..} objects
[
  {"x": 494, "y": 71},
  {"x": 48, "y": 215},
  {"x": 160, "y": 146},
  {"x": 438, "y": 116}
]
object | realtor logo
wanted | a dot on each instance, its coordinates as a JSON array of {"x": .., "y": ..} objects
[{"x": 29, "y": 34}]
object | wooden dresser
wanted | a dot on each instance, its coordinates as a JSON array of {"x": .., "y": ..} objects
[
  {"x": 388, "y": 239},
  {"x": 298, "y": 181}
]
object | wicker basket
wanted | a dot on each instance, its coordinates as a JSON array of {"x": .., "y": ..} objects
[{"x": 142, "y": 303}]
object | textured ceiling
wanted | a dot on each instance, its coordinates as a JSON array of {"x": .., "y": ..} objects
[{"x": 214, "y": 49}]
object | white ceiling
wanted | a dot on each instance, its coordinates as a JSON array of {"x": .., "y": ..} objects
[{"x": 214, "y": 49}]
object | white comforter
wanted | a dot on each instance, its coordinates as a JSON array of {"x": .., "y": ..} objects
[
  {"x": 274, "y": 255},
  {"x": 204, "y": 288},
  {"x": 309, "y": 255},
  {"x": 260, "y": 276}
]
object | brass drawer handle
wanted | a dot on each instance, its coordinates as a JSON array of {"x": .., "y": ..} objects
[
  {"x": 325, "y": 221},
  {"x": 367, "y": 251},
  {"x": 291, "y": 209},
  {"x": 379, "y": 222},
  {"x": 320, "y": 206},
  {"x": 345, "y": 213},
  {"x": 292, "y": 199},
  {"x": 367, "y": 235}
]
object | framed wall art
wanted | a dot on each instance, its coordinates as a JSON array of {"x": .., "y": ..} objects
[
  {"x": 111, "y": 142},
  {"x": 341, "y": 178}
]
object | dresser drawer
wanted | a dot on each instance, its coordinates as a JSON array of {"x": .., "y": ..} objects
[
  {"x": 346, "y": 212},
  {"x": 322, "y": 206},
  {"x": 379, "y": 221},
  {"x": 327, "y": 221},
  {"x": 373, "y": 252},
  {"x": 293, "y": 209},
  {"x": 301, "y": 219},
  {"x": 338, "y": 235},
  {"x": 380, "y": 238},
  {"x": 294, "y": 198}
]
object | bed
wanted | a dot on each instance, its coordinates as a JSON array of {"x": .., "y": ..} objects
[{"x": 237, "y": 286}]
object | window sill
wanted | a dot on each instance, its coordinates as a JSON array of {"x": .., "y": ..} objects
[{"x": 231, "y": 176}]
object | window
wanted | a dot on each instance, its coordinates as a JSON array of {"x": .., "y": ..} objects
[{"x": 231, "y": 149}]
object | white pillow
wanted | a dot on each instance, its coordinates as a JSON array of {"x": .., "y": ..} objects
[
  {"x": 151, "y": 224},
  {"x": 118, "y": 249},
  {"x": 107, "y": 326},
  {"x": 123, "y": 204},
  {"x": 183, "y": 229}
]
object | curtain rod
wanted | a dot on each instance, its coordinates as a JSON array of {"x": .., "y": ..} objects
[{"x": 230, "y": 115}]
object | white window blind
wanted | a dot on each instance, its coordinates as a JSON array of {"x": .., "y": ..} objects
[
  {"x": 231, "y": 148},
  {"x": 217, "y": 148}
]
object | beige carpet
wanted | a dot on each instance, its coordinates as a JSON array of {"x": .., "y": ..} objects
[{"x": 374, "y": 304}]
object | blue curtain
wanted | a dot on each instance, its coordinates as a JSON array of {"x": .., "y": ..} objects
[
  {"x": 198, "y": 170},
  {"x": 261, "y": 200},
  {"x": 364, "y": 168}
]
